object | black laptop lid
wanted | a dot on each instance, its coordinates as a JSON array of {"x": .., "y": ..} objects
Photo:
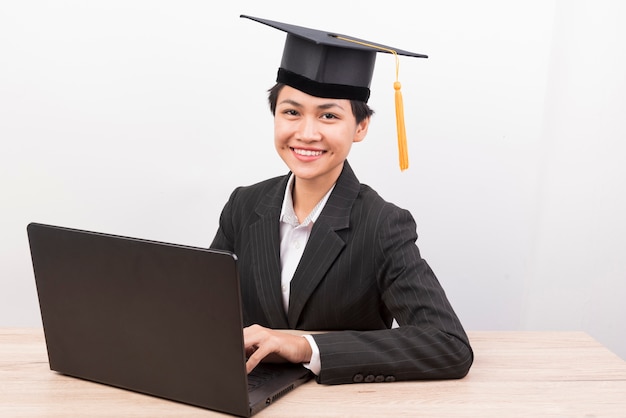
[{"x": 156, "y": 318}]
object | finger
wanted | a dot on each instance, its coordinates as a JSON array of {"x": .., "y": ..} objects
[
  {"x": 251, "y": 339},
  {"x": 255, "y": 358},
  {"x": 251, "y": 364},
  {"x": 254, "y": 337}
]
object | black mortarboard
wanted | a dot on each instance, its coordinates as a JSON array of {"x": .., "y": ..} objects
[{"x": 328, "y": 64}]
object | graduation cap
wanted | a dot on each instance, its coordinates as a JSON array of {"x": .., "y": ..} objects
[{"x": 331, "y": 65}]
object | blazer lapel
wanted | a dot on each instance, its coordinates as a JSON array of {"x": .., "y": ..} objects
[
  {"x": 265, "y": 245},
  {"x": 324, "y": 244}
]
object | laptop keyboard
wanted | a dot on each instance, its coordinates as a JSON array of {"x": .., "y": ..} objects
[{"x": 260, "y": 375}]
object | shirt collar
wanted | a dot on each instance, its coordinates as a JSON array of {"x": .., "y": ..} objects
[{"x": 287, "y": 213}]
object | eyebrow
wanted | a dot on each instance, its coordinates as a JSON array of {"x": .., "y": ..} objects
[{"x": 324, "y": 106}]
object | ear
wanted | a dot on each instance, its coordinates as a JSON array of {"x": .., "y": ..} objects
[{"x": 361, "y": 130}]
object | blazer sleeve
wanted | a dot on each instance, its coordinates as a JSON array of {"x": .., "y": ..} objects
[
  {"x": 429, "y": 343},
  {"x": 224, "y": 237}
]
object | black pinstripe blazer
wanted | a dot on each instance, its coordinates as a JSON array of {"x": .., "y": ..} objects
[{"x": 360, "y": 269}]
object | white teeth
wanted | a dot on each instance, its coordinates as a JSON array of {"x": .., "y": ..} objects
[{"x": 307, "y": 153}]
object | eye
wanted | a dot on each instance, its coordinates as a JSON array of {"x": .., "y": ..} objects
[
  {"x": 329, "y": 116},
  {"x": 290, "y": 112}
]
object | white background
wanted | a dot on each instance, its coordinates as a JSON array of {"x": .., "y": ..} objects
[{"x": 139, "y": 117}]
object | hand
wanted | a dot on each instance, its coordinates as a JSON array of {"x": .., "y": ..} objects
[{"x": 264, "y": 343}]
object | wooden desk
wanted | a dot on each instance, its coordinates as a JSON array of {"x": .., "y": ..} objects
[{"x": 514, "y": 374}]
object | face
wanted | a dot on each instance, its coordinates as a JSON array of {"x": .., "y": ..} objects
[{"x": 314, "y": 135}]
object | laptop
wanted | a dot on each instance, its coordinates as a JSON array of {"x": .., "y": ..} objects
[{"x": 151, "y": 317}]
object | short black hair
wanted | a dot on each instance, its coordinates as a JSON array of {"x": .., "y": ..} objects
[{"x": 361, "y": 110}]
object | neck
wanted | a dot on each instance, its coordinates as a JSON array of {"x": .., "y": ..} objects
[{"x": 307, "y": 193}]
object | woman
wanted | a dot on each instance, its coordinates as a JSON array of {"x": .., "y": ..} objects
[{"x": 317, "y": 250}]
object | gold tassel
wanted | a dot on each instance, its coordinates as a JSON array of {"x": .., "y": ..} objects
[{"x": 403, "y": 149}]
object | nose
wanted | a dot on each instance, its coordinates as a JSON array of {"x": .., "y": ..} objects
[{"x": 308, "y": 130}]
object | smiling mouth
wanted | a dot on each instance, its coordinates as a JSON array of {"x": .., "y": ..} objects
[{"x": 307, "y": 153}]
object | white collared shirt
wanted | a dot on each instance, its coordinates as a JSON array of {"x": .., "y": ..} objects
[{"x": 294, "y": 236}]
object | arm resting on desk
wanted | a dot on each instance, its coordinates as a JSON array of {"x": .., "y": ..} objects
[
  {"x": 432, "y": 359},
  {"x": 357, "y": 356}
]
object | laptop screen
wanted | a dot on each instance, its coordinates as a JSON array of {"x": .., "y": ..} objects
[{"x": 157, "y": 318}]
